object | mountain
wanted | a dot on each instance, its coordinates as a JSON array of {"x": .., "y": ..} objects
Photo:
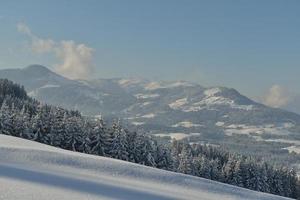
[
  {"x": 177, "y": 109},
  {"x": 30, "y": 170},
  {"x": 49, "y": 87},
  {"x": 22, "y": 116}
]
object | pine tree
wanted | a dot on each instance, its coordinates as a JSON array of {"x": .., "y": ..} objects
[
  {"x": 228, "y": 171},
  {"x": 73, "y": 136},
  {"x": 185, "y": 160},
  {"x": 164, "y": 159},
  {"x": 214, "y": 170},
  {"x": 97, "y": 139},
  {"x": 175, "y": 151},
  {"x": 6, "y": 120},
  {"x": 38, "y": 126},
  {"x": 119, "y": 143},
  {"x": 238, "y": 177},
  {"x": 22, "y": 123}
]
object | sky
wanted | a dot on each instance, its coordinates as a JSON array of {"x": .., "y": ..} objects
[{"x": 252, "y": 46}]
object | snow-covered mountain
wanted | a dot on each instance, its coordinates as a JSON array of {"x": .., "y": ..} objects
[
  {"x": 178, "y": 109},
  {"x": 171, "y": 105},
  {"x": 30, "y": 170}
]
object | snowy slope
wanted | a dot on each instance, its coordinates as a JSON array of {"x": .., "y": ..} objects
[{"x": 29, "y": 170}]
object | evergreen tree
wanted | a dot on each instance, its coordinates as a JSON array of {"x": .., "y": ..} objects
[
  {"x": 119, "y": 143},
  {"x": 6, "y": 119},
  {"x": 185, "y": 160}
]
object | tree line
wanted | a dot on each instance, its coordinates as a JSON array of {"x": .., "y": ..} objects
[{"x": 24, "y": 117}]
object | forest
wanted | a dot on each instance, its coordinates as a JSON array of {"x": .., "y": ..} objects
[{"x": 22, "y": 116}]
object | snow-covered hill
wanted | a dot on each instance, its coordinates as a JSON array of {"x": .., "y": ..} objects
[
  {"x": 30, "y": 170},
  {"x": 177, "y": 109}
]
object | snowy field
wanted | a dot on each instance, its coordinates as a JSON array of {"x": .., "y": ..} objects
[{"x": 33, "y": 171}]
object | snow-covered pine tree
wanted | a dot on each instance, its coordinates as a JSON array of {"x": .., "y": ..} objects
[
  {"x": 73, "y": 134},
  {"x": 164, "y": 158},
  {"x": 228, "y": 170},
  {"x": 97, "y": 139},
  {"x": 132, "y": 147},
  {"x": 238, "y": 177},
  {"x": 22, "y": 123},
  {"x": 58, "y": 127},
  {"x": 119, "y": 144},
  {"x": 6, "y": 120},
  {"x": 214, "y": 169},
  {"x": 185, "y": 160}
]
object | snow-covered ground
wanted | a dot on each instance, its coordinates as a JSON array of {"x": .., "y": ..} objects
[
  {"x": 211, "y": 99},
  {"x": 274, "y": 129},
  {"x": 186, "y": 124},
  {"x": 29, "y": 171},
  {"x": 177, "y": 136}
]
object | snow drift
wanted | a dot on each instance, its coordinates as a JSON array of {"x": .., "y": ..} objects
[{"x": 30, "y": 170}]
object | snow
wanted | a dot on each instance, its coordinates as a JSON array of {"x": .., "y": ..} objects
[
  {"x": 295, "y": 149},
  {"x": 212, "y": 91},
  {"x": 49, "y": 86},
  {"x": 176, "y": 136},
  {"x": 138, "y": 123},
  {"x": 150, "y": 115},
  {"x": 220, "y": 123},
  {"x": 162, "y": 85},
  {"x": 146, "y": 96},
  {"x": 210, "y": 100},
  {"x": 32, "y": 93},
  {"x": 146, "y": 103},
  {"x": 296, "y": 142},
  {"x": 30, "y": 170},
  {"x": 153, "y": 86},
  {"x": 128, "y": 82},
  {"x": 220, "y": 100},
  {"x": 179, "y": 103},
  {"x": 266, "y": 128},
  {"x": 180, "y": 84},
  {"x": 186, "y": 124}
]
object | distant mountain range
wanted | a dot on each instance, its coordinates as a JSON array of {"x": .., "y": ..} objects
[{"x": 177, "y": 109}]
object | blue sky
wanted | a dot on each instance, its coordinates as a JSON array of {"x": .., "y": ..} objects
[{"x": 248, "y": 45}]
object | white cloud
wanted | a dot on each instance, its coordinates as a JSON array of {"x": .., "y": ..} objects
[
  {"x": 277, "y": 97},
  {"x": 75, "y": 59},
  {"x": 23, "y": 28}
]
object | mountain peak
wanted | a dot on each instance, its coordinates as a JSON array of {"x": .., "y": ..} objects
[
  {"x": 39, "y": 71},
  {"x": 37, "y": 68}
]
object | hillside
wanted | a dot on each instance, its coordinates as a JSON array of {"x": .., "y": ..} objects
[
  {"x": 176, "y": 109},
  {"x": 30, "y": 170}
]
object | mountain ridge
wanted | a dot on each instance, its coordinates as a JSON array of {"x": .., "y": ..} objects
[{"x": 171, "y": 109}]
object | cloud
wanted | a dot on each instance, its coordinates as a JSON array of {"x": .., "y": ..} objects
[
  {"x": 23, "y": 28},
  {"x": 75, "y": 60},
  {"x": 277, "y": 97}
]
